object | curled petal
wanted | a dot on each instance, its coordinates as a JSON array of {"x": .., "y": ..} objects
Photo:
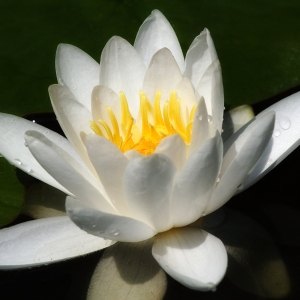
[
  {"x": 110, "y": 165},
  {"x": 106, "y": 225},
  {"x": 15, "y": 150},
  {"x": 148, "y": 185},
  {"x": 244, "y": 152},
  {"x": 45, "y": 241},
  {"x": 78, "y": 71},
  {"x": 211, "y": 88},
  {"x": 73, "y": 118},
  {"x": 67, "y": 171},
  {"x": 156, "y": 33},
  {"x": 199, "y": 56},
  {"x": 286, "y": 137},
  {"x": 192, "y": 256},
  {"x": 196, "y": 181}
]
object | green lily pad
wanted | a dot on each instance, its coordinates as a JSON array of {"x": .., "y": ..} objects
[{"x": 257, "y": 42}]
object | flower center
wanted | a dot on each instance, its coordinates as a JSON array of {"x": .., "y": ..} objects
[{"x": 155, "y": 122}]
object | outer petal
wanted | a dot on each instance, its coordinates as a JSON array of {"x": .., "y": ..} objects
[
  {"x": 235, "y": 119},
  {"x": 67, "y": 171},
  {"x": 163, "y": 74},
  {"x": 156, "y": 33},
  {"x": 195, "y": 183},
  {"x": 78, "y": 71},
  {"x": 73, "y": 118},
  {"x": 241, "y": 158},
  {"x": 110, "y": 165},
  {"x": 13, "y": 147},
  {"x": 114, "y": 227},
  {"x": 211, "y": 88},
  {"x": 102, "y": 97},
  {"x": 200, "y": 55},
  {"x": 122, "y": 69},
  {"x": 175, "y": 148},
  {"x": 148, "y": 185},
  {"x": 192, "y": 256},
  {"x": 128, "y": 271},
  {"x": 286, "y": 137},
  {"x": 45, "y": 241}
]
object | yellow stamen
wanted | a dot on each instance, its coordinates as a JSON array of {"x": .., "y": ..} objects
[{"x": 156, "y": 124}]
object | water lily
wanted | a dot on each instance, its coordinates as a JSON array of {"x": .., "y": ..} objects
[{"x": 144, "y": 158}]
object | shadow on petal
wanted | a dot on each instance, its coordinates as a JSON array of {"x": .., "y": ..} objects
[
  {"x": 254, "y": 262},
  {"x": 128, "y": 271}
]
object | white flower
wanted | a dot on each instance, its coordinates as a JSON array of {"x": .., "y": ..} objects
[{"x": 146, "y": 163}]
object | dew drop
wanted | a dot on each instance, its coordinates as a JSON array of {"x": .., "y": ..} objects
[
  {"x": 276, "y": 132},
  {"x": 93, "y": 225},
  {"x": 33, "y": 121},
  {"x": 218, "y": 179},
  {"x": 17, "y": 162},
  {"x": 25, "y": 144},
  {"x": 199, "y": 117},
  {"x": 285, "y": 123},
  {"x": 241, "y": 186},
  {"x": 115, "y": 233},
  {"x": 209, "y": 118},
  {"x": 47, "y": 131},
  {"x": 222, "y": 130},
  {"x": 74, "y": 87}
]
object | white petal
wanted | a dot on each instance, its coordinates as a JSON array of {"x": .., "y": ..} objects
[
  {"x": 186, "y": 93},
  {"x": 110, "y": 165},
  {"x": 45, "y": 241},
  {"x": 132, "y": 154},
  {"x": 102, "y": 97},
  {"x": 157, "y": 33},
  {"x": 73, "y": 118},
  {"x": 128, "y": 271},
  {"x": 201, "y": 129},
  {"x": 175, "y": 148},
  {"x": 122, "y": 69},
  {"x": 148, "y": 185},
  {"x": 195, "y": 183},
  {"x": 211, "y": 88},
  {"x": 286, "y": 137},
  {"x": 13, "y": 147},
  {"x": 163, "y": 74},
  {"x": 199, "y": 56},
  {"x": 78, "y": 71},
  {"x": 67, "y": 171},
  {"x": 235, "y": 119},
  {"x": 241, "y": 158},
  {"x": 110, "y": 226},
  {"x": 192, "y": 256}
]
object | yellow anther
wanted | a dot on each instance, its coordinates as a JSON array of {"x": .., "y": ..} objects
[{"x": 156, "y": 123}]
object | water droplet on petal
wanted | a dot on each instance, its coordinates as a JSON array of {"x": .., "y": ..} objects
[
  {"x": 17, "y": 162},
  {"x": 199, "y": 117},
  {"x": 115, "y": 232},
  {"x": 222, "y": 130},
  {"x": 285, "y": 123},
  {"x": 209, "y": 118},
  {"x": 25, "y": 144},
  {"x": 276, "y": 132},
  {"x": 241, "y": 186},
  {"x": 33, "y": 121},
  {"x": 74, "y": 87},
  {"x": 93, "y": 225},
  {"x": 47, "y": 131},
  {"x": 218, "y": 179}
]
